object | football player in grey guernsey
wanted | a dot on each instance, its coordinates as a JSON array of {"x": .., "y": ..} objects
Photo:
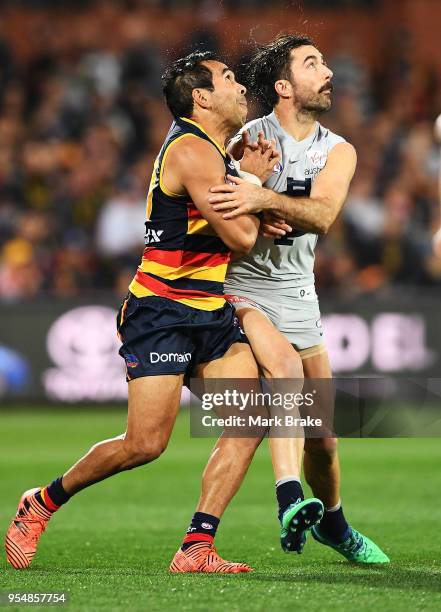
[{"x": 272, "y": 287}]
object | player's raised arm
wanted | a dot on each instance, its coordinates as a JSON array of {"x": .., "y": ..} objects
[
  {"x": 313, "y": 214},
  {"x": 328, "y": 193},
  {"x": 193, "y": 166}
]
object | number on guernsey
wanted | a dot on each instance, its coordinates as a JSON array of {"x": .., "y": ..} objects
[{"x": 296, "y": 189}]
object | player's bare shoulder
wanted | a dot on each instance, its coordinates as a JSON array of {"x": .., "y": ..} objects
[
  {"x": 185, "y": 160},
  {"x": 345, "y": 155},
  {"x": 340, "y": 163}
]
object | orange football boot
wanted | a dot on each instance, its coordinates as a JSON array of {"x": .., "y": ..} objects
[
  {"x": 25, "y": 530},
  {"x": 202, "y": 557}
]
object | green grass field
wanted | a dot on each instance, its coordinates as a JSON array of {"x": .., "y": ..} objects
[{"x": 110, "y": 547}]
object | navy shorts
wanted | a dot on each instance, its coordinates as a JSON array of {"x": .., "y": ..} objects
[{"x": 161, "y": 336}]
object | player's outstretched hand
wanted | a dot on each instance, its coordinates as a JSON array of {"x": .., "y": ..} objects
[
  {"x": 272, "y": 226},
  {"x": 436, "y": 243},
  {"x": 259, "y": 158},
  {"x": 247, "y": 144},
  {"x": 237, "y": 146},
  {"x": 239, "y": 197}
]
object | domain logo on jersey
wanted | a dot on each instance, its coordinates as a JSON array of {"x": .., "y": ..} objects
[{"x": 170, "y": 357}]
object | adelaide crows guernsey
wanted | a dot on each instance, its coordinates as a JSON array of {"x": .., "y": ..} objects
[{"x": 184, "y": 259}]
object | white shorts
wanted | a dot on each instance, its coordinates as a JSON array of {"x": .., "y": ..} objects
[{"x": 296, "y": 316}]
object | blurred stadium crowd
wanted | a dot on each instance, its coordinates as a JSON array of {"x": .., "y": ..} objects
[{"x": 81, "y": 123}]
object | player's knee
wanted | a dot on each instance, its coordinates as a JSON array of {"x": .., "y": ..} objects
[
  {"x": 284, "y": 364},
  {"x": 324, "y": 449},
  {"x": 139, "y": 453}
]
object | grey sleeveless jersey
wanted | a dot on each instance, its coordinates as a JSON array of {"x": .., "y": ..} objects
[{"x": 288, "y": 262}]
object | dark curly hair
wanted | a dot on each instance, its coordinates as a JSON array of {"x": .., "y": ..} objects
[
  {"x": 181, "y": 77},
  {"x": 270, "y": 63}
]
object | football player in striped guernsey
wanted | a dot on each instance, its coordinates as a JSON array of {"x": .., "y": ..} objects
[{"x": 176, "y": 320}]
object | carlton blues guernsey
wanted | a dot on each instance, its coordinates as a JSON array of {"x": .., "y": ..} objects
[
  {"x": 288, "y": 262},
  {"x": 278, "y": 274}
]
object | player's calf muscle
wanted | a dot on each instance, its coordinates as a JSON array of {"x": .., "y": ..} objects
[
  {"x": 140, "y": 452},
  {"x": 105, "y": 459},
  {"x": 148, "y": 431},
  {"x": 322, "y": 448},
  {"x": 119, "y": 454}
]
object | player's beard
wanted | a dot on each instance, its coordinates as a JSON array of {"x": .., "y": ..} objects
[
  {"x": 318, "y": 104},
  {"x": 312, "y": 103}
]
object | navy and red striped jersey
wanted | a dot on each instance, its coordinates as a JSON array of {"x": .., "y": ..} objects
[{"x": 184, "y": 259}]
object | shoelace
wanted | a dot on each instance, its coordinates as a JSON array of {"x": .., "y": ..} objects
[
  {"x": 354, "y": 544},
  {"x": 27, "y": 519},
  {"x": 211, "y": 550}
]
